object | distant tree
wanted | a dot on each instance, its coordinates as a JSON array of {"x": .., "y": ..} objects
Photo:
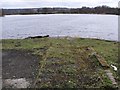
[{"x": 84, "y": 10}]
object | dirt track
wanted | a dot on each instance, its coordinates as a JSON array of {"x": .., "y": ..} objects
[{"x": 19, "y": 65}]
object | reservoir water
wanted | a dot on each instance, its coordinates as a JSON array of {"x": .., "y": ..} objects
[{"x": 74, "y": 25}]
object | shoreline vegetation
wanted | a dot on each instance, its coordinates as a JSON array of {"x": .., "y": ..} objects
[
  {"x": 59, "y": 10},
  {"x": 66, "y": 62}
]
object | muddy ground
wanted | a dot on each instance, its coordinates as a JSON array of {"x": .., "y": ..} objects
[{"x": 18, "y": 68}]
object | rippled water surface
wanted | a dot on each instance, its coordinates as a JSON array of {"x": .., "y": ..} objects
[{"x": 75, "y": 25}]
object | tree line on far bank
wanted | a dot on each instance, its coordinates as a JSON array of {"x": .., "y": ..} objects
[{"x": 84, "y": 10}]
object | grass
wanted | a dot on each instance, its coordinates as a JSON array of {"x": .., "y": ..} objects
[
  {"x": 109, "y": 50},
  {"x": 68, "y": 62}
]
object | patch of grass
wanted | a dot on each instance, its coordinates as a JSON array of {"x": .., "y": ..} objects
[{"x": 68, "y": 62}]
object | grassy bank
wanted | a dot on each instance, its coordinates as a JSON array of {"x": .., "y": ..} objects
[{"x": 69, "y": 62}]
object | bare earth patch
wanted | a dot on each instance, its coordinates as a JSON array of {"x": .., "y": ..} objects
[{"x": 19, "y": 68}]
